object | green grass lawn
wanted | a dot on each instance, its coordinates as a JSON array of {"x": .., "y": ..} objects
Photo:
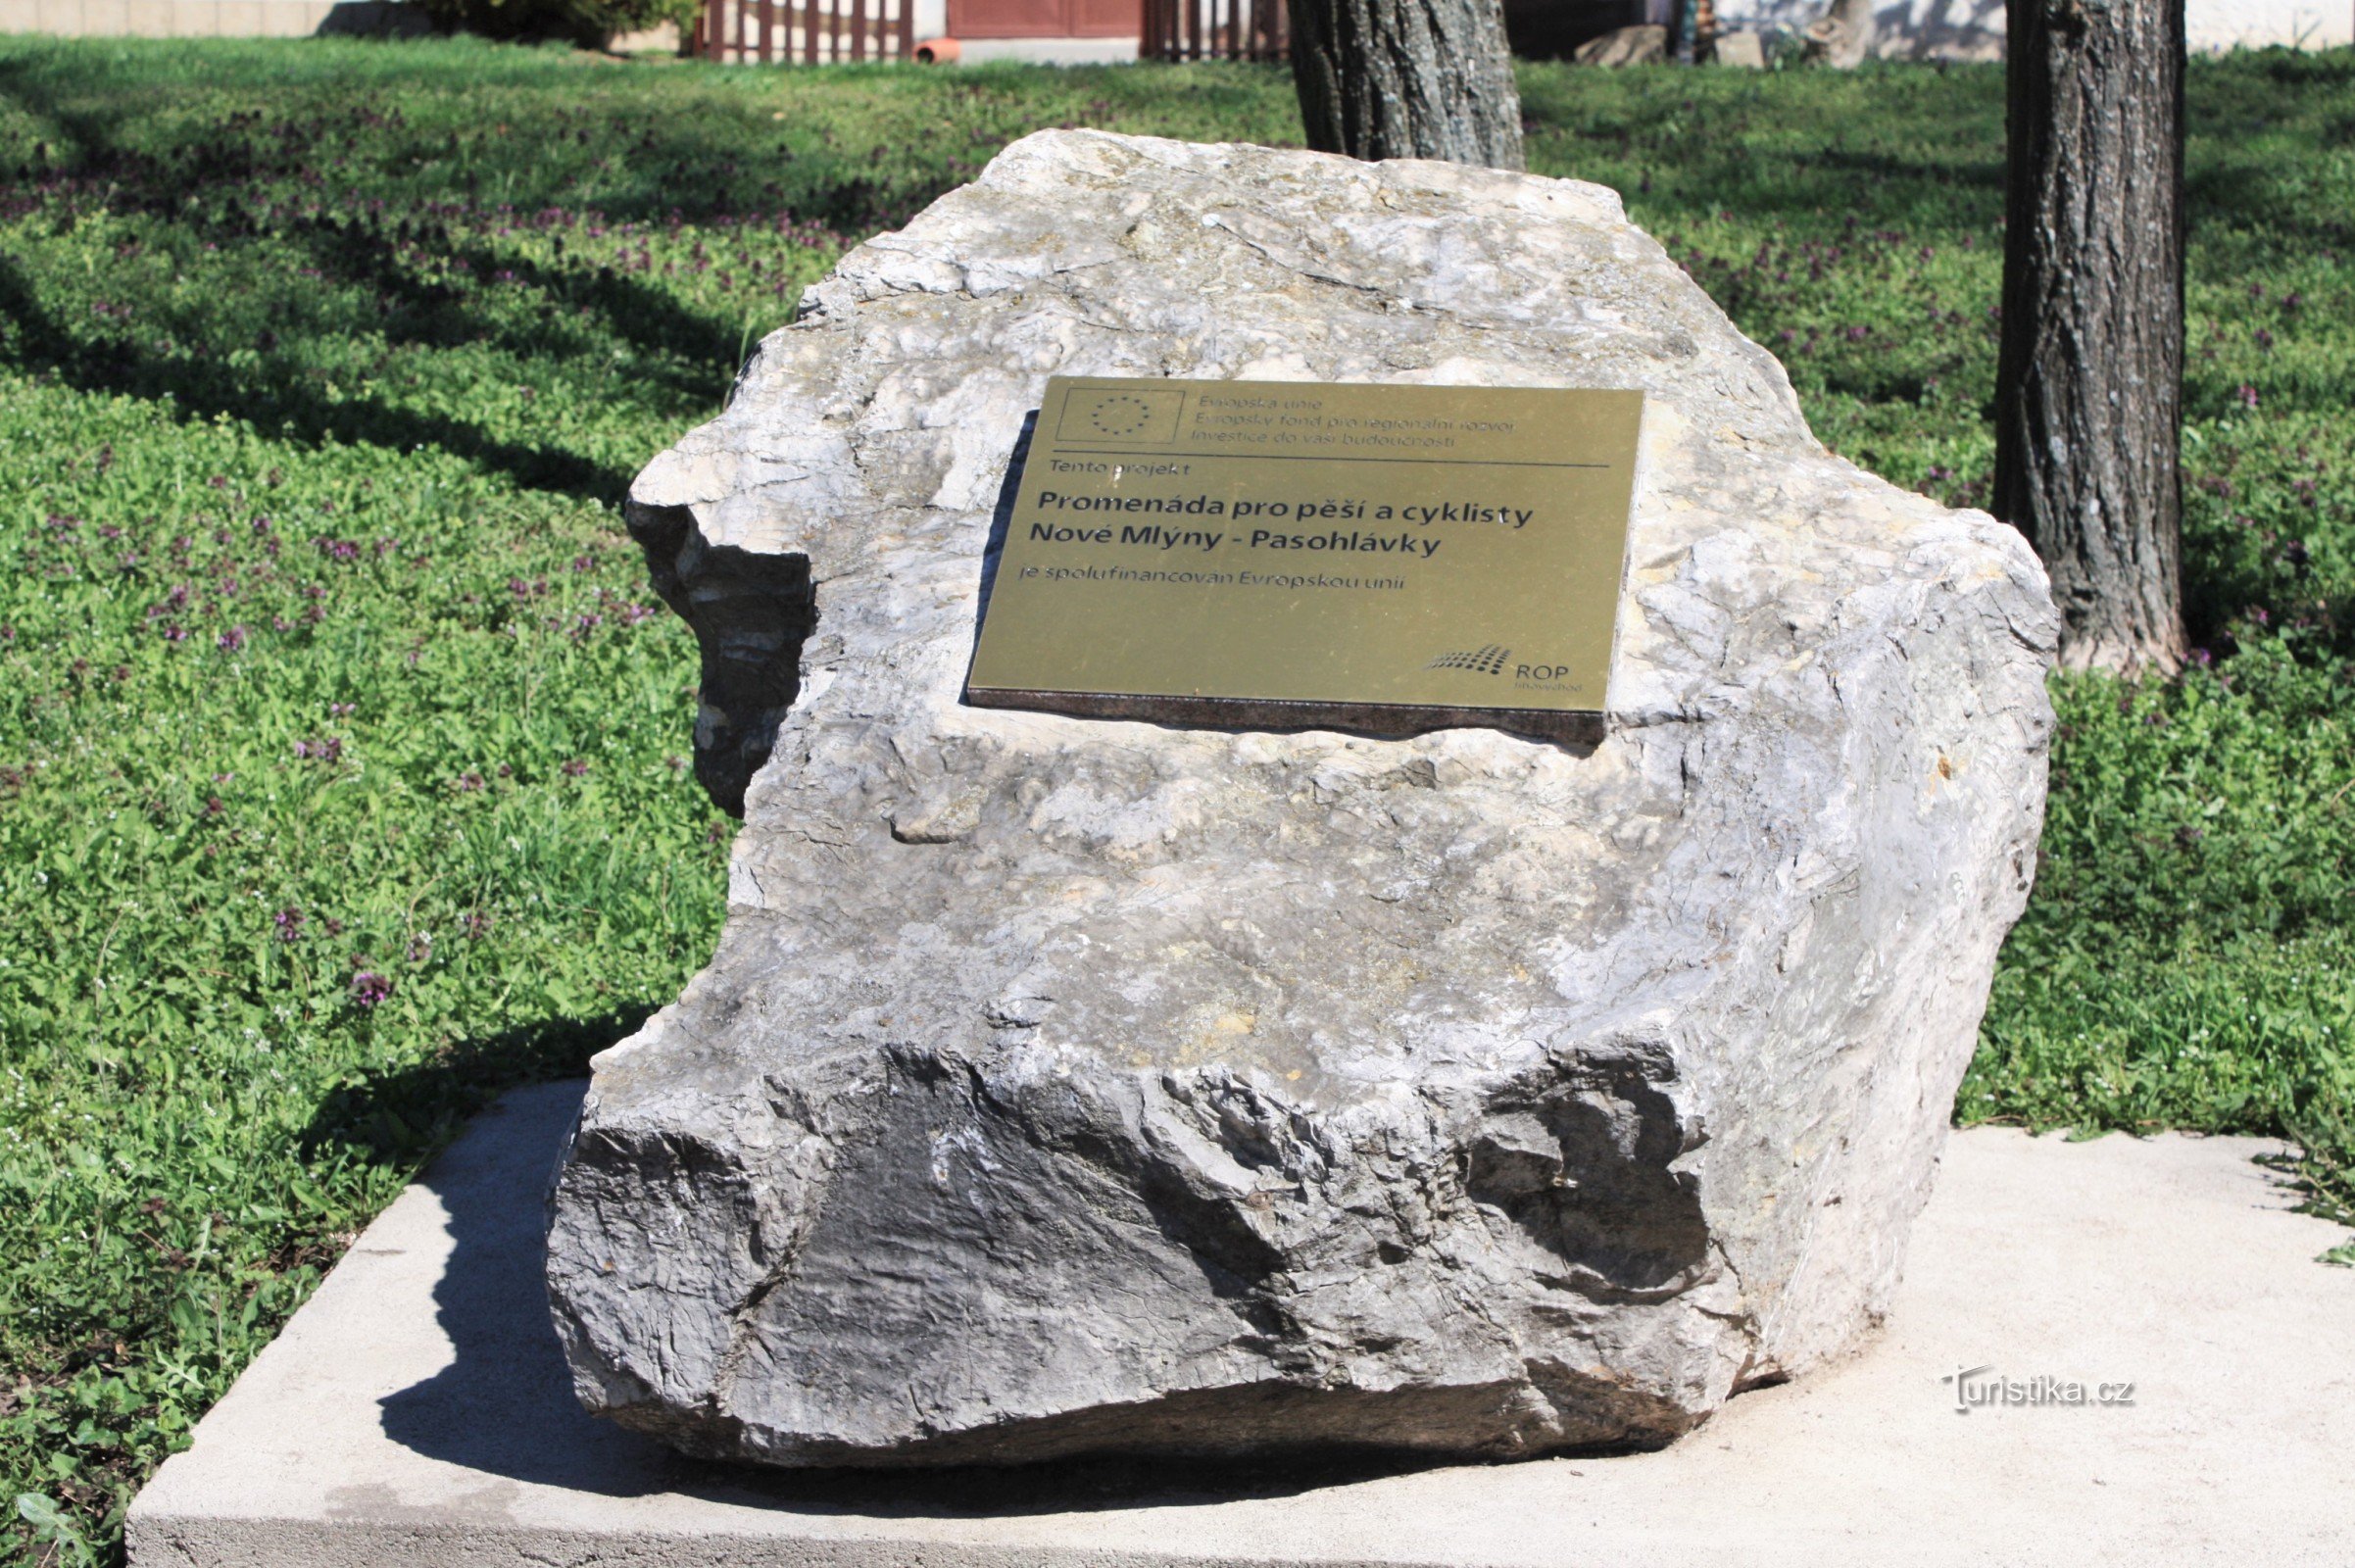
[{"x": 341, "y": 742}]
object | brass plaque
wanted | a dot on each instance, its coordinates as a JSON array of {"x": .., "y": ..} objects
[{"x": 1281, "y": 555}]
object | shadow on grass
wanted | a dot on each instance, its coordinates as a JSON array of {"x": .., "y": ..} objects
[
  {"x": 1840, "y": 166},
  {"x": 689, "y": 166},
  {"x": 401, "y": 1115},
  {"x": 690, "y": 356},
  {"x": 118, "y": 365},
  {"x": 2247, "y": 195}
]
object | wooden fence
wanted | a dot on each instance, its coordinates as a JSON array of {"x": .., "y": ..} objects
[
  {"x": 1215, "y": 29},
  {"x": 813, "y": 32},
  {"x": 808, "y": 33}
]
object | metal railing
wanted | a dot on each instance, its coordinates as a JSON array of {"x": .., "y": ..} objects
[
  {"x": 813, "y": 32},
  {"x": 808, "y": 32},
  {"x": 1215, "y": 29}
]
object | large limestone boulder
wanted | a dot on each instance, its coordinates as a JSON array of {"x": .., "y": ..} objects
[{"x": 1068, "y": 1086}]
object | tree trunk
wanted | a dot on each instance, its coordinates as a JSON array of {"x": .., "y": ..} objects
[
  {"x": 2089, "y": 414},
  {"x": 1407, "y": 78}
]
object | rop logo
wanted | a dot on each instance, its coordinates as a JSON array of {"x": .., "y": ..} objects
[{"x": 1485, "y": 660}]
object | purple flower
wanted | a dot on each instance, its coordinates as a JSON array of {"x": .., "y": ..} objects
[
  {"x": 289, "y": 922},
  {"x": 2247, "y": 395},
  {"x": 232, "y": 639},
  {"x": 368, "y": 988},
  {"x": 2201, "y": 659},
  {"x": 575, "y": 767}
]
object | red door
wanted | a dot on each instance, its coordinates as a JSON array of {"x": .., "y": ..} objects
[
  {"x": 1044, "y": 18},
  {"x": 1106, "y": 19}
]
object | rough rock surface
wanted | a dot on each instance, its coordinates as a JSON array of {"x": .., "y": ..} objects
[{"x": 1066, "y": 1085}]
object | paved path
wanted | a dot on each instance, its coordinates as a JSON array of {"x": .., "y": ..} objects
[{"x": 417, "y": 1412}]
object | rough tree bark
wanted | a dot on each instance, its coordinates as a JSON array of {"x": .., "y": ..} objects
[
  {"x": 1407, "y": 78},
  {"x": 2088, "y": 387}
]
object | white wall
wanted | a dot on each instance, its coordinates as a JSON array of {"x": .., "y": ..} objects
[
  {"x": 1972, "y": 30},
  {"x": 2224, "y": 24}
]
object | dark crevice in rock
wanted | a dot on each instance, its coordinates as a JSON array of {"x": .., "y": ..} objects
[
  {"x": 750, "y": 614},
  {"x": 1582, "y": 1163}
]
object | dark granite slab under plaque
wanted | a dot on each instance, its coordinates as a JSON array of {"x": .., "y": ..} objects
[{"x": 1280, "y": 554}]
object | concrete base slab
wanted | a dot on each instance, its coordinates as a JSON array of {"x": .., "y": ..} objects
[
  {"x": 1052, "y": 51},
  {"x": 417, "y": 1412}
]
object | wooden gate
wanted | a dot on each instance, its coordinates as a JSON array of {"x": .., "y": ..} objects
[
  {"x": 1043, "y": 19},
  {"x": 808, "y": 33},
  {"x": 1215, "y": 29}
]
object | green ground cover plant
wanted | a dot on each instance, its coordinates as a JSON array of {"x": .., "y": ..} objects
[{"x": 342, "y": 775}]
